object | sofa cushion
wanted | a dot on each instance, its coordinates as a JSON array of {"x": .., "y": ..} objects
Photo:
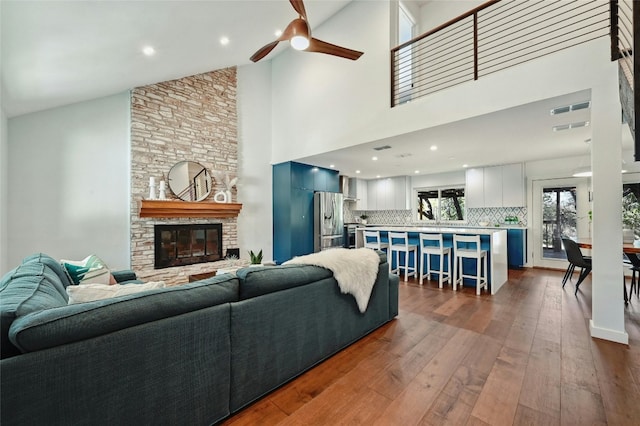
[
  {"x": 31, "y": 287},
  {"x": 66, "y": 324},
  {"x": 52, "y": 263},
  {"x": 91, "y": 269},
  {"x": 256, "y": 281},
  {"x": 83, "y": 293}
]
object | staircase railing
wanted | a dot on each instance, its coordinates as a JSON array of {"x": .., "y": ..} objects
[{"x": 494, "y": 36}]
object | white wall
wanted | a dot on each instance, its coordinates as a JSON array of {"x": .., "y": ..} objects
[
  {"x": 319, "y": 101},
  {"x": 4, "y": 187},
  {"x": 437, "y": 12},
  {"x": 323, "y": 103},
  {"x": 255, "y": 223},
  {"x": 69, "y": 182}
]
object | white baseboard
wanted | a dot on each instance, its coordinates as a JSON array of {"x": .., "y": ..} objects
[{"x": 607, "y": 334}]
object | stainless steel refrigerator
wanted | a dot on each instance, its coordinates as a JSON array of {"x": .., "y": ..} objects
[{"x": 327, "y": 220}]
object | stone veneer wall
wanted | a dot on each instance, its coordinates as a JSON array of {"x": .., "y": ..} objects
[{"x": 193, "y": 118}]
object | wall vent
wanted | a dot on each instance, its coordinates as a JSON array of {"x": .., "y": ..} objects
[
  {"x": 570, "y": 126},
  {"x": 573, "y": 107},
  {"x": 383, "y": 147}
]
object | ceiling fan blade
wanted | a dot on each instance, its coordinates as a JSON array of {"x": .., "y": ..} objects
[
  {"x": 296, "y": 27},
  {"x": 264, "y": 51},
  {"x": 320, "y": 46},
  {"x": 298, "y": 5}
]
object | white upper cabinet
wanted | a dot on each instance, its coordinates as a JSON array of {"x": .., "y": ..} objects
[
  {"x": 388, "y": 193},
  {"x": 361, "y": 194},
  {"x": 497, "y": 186},
  {"x": 474, "y": 188},
  {"x": 493, "y": 186},
  {"x": 514, "y": 193}
]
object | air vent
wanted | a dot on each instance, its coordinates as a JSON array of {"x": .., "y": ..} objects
[
  {"x": 573, "y": 107},
  {"x": 570, "y": 126},
  {"x": 381, "y": 148},
  {"x": 406, "y": 154}
]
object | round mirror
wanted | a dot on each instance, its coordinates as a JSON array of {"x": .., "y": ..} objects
[{"x": 190, "y": 181}]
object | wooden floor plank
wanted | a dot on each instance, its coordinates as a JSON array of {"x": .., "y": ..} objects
[
  {"x": 413, "y": 403},
  {"x": 523, "y": 356},
  {"x": 498, "y": 401}
]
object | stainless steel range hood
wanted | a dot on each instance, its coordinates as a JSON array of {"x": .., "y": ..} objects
[{"x": 347, "y": 189}]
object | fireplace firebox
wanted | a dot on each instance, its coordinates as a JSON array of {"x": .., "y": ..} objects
[{"x": 179, "y": 245}]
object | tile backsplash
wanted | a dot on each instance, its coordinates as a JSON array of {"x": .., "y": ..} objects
[{"x": 405, "y": 217}]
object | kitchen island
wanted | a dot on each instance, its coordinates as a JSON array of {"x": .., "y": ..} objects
[{"x": 492, "y": 240}]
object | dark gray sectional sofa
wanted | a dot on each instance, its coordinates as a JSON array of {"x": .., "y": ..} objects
[{"x": 191, "y": 354}]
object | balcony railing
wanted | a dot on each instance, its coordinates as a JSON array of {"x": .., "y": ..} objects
[
  {"x": 494, "y": 36},
  {"x": 624, "y": 36}
]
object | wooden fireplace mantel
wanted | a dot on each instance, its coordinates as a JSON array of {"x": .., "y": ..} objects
[{"x": 177, "y": 208}]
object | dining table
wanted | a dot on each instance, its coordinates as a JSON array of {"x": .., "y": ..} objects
[{"x": 627, "y": 248}]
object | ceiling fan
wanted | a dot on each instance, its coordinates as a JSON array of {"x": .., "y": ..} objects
[{"x": 299, "y": 35}]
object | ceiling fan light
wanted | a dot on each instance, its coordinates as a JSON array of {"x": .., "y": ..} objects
[{"x": 299, "y": 42}]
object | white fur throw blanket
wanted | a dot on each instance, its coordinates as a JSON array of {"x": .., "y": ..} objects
[{"x": 354, "y": 270}]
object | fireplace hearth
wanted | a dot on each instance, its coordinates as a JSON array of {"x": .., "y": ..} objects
[{"x": 179, "y": 245}]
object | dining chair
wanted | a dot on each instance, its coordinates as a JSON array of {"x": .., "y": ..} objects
[
  {"x": 635, "y": 269},
  {"x": 575, "y": 258}
]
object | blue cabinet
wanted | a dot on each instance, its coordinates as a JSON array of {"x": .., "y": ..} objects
[
  {"x": 516, "y": 247},
  {"x": 293, "y": 188}
]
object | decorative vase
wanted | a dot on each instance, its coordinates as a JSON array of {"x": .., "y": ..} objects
[
  {"x": 220, "y": 197},
  {"x": 228, "y": 193}
]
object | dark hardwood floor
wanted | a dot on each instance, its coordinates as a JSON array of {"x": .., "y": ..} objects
[{"x": 523, "y": 357}]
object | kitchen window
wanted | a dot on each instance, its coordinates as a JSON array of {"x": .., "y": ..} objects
[{"x": 441, "y": 205}]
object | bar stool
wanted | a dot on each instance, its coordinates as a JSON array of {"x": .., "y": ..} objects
[
  {"x": 461, "y": 251},
  {"x": 427, "y": 248},
  {"x": 372, "y": 241},
  {"x": 399, "y": 242}
]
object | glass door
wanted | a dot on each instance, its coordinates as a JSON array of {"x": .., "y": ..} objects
[
  {"x": 560, "y": 209},
  {"x": 559, "y": 219}
]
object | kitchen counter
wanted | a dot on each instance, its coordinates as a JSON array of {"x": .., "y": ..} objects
[
  {"x": 461, "y": 226},
  {"x": 494, "y": 240}
]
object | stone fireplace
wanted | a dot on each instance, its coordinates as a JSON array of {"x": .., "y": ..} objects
[{"x": 192, "y": 118}]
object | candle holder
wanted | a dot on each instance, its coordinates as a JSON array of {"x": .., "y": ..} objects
[
  {"x": 152, "y": 188},
  {"x": 163, "y": 191}
]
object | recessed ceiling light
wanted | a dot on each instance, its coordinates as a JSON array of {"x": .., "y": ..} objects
[
  {"x": 465, "y": 165},
  {"x": 378, "y": 176},
  {"x": 224, "y": 41},
  {"x": 374, "y": 158},
  {"x": 416, "y": 171},
  {"x": 278, "y": 33},
  {"x": 148, "y": 50},
  {"x": 433, "y": 148},
  {"x": 358, "y": 171},
  {"x": 332, "y": 166}
]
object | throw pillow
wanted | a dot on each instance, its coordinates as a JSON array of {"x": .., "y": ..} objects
[
  {"x": 82, "y": 293},
  {"x": 91, "y": 269}
]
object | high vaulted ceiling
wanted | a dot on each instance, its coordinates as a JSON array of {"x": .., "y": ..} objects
[
  {"x": 56, "y": 53},
  {"x": 60, "y": 52}
]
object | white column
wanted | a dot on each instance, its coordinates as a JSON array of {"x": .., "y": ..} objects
[{"x": 606, "y": 158}]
